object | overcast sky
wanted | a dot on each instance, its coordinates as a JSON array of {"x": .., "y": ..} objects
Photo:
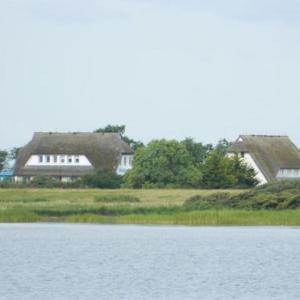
[{"x": 167, "y": 69}]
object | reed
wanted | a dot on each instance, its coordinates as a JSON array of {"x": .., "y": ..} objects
[{"x": 134, "y": 207}]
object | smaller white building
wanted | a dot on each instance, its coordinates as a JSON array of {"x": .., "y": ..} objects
[{"x": 271, "y": 157}]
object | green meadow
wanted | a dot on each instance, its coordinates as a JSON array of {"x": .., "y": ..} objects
[{"x": 127, "y": 206}]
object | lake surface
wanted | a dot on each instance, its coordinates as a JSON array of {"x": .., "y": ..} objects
[{"x": 60, "y": 261}]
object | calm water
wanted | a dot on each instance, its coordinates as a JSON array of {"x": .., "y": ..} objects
[{"x": 57, "y": 261}]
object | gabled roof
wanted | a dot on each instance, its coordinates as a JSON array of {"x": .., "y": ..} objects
[
  {"x": 270, "y": 153},
  {"x": 103, "y": 150}
]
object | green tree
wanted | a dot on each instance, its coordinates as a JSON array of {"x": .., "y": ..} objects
[
  {"x": 217, "y": 172},
  {"x": 112, "y": 128},
  {"x": 245, "y": 176},
  {"x": 163, "y": 163},
  {"x": 198, "y": 152},
  {"x": 223, "y": 146},
  {"x": 121, "y": 130},
  {"x": 3, "y": 157},
  {"x": 220, "y": 171}
]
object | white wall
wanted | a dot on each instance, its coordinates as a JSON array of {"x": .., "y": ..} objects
[
  {"x": 62, "y": 160},
  {"x": 249, "y": 161},
  {"x": 125, "y": 164}
]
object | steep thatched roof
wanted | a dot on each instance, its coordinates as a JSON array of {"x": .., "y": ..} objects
[
  {"x": 103, "y": 150},
  {"x": 270, "y": 153}
]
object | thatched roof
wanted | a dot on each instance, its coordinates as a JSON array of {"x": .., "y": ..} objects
[
  {"x": 270, "y": 153},
  {"x": 103, "y": 150}
]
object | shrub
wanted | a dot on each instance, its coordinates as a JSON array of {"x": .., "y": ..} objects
[
  {"x": 44, "y": 182},
  {"x": 279, "y": 186},
  {"x": 257, "y": 199},
  {"x": 102, "y": 179},
  {"x": 216, "y": 200}
]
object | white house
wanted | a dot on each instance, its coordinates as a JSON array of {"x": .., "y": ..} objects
[
  {"x": 70, "y": 155},
  {"x": 272, "y": 157}
]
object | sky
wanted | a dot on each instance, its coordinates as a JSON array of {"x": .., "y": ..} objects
[{"x": 166, "y": 69}]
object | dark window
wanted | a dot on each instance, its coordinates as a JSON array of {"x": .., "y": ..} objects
[
  {"x": 77, "y": 160},
  {"x": 41, "y": 158},
  {"x": 70, "y": 159},
  {"x": 48, "y": 158},
  {"x": 242, "y": 154},
  {"x": 55, "y": 158}
]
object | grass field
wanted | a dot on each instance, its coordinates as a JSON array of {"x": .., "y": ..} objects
[{"x": 127, "y": 207}]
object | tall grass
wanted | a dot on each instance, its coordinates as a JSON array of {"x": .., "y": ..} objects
[
  {"x": 117, "y": 198},
  {"x": 132, "y": 207},
  {"x": 207, "y": 218}
]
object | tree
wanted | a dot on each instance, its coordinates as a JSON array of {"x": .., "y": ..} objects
[
  {"x": 198, "y": 152},
  {"x": 121, "y": 130},
  {"x": 220, "y": 171},
  {"x": 3, "y": 157},
  {"x": 13, "y": 153},
  {"x": 163, "y": 163},
  {"x": 245, "y": 176},
  {"x": 216, "y": 171},
  {"x": 223, "y": 146},
  {"x": 112, "y": 128}
]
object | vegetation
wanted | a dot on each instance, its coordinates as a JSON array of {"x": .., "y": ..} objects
[
  {"x": 163, "y": 163},
  {"x": 121, "y": 130},
  {"x": 197, "y": 151},
  {"x": 273, "y": 204},
  {"x": 116, "y": 198},
  {"x": 186, "y": 164},
  {"x": 101, "y": 179},
  {"x": 274, "y": 196},
  {"x": 3, "y": 157},
  {"x": 220, "y": 171}
]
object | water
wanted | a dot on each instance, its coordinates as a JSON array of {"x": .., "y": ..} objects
[{"x": 58, "y": 261}]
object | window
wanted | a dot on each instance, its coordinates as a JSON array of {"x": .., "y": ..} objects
[
  {"x": 69, "y": 159},
  {"x": 48, "y": 158},
  {"x": 242, "y": 154},
  {"x": 62, "y": 159},
  {"x": 125, "y": 160},
  {"x": 55, "y": 159},
  {"x": 40, "y": 158},
  {"x": 77, "y": 160}
]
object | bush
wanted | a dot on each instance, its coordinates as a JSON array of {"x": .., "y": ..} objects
[
  {"x": 102, "y": 179},
  {"x": 279, "y": 186},
  {"x": 44, "y": 182},
  {"x": 274, "y": 196},
  {"x": 216, "y": 200}
]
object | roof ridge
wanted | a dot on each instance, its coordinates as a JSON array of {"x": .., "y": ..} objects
[
  {"x": 75, "y": 132},
  {"x": 264, "y": 135}
]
